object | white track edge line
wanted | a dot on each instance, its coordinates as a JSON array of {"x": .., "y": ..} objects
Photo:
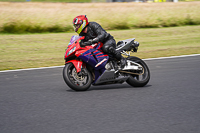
[
  {"x": 171, "y": 57},
  {"x": 181, "y": 56},
  {"x": 30, "y": 69}
]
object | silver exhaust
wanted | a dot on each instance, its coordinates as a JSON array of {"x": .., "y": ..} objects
[{"x": 132, "y": 66}]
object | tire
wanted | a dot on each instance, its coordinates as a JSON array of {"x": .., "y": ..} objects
[
  {"x": 74, "y": 80},
  {"x": 139, "y": 80}
]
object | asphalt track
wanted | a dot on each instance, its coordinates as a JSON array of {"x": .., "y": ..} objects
[{"x": 38, "y": 101}]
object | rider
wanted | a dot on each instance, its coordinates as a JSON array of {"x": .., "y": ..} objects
[{"x": 94, "y": 33}]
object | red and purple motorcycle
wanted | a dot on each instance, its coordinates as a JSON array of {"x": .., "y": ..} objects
[{"x": 88, "y": 65}]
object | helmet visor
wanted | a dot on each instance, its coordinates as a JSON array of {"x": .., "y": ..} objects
[{"x": 76, "y": 27}]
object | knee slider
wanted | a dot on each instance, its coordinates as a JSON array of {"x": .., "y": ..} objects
[
  {"x": 106, "y": 49},
  {"x": 111, "y": 50}
]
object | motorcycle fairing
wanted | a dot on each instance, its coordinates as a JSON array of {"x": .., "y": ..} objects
[
  {"x": 93, "y": 57},
  {"x": 125, "y": 44},
  {"x": 72, "y": 45},
  {"x": 78, "y": 64},
  {"x": 109, "y": 76},
  {"x": 98, "y": 46}
]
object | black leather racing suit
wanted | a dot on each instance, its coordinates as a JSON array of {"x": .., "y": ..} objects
[{"x": 98, "y": 34}]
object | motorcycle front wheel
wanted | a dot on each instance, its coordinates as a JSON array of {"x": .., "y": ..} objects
[
  {"x": 143, "y": 77},
  {"x": 80, "y": 81}
]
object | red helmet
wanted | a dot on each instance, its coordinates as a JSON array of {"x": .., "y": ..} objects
[{"x": 79, "y": 23}]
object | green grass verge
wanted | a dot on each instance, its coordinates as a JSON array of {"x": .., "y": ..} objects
[
  {"x": 42, "y": 50},
  {"x": 41, "y": 17}
]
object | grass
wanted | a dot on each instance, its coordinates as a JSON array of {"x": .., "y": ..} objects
[
  {"x": 46, "y": 0},
  {"x": 41, "y": 50},
  {"x": 35, "y": 17}
]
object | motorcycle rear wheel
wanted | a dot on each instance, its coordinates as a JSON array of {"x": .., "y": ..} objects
[
  {"x": 77, "y": 81},
  {"x": 139, "y": 80}
]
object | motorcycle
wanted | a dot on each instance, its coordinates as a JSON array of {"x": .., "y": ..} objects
[{"x": 88, "y": 65}]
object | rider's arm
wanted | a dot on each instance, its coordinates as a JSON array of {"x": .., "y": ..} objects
[{"x": 99, "y": 31}]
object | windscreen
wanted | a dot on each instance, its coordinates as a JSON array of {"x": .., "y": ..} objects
[{"x": 73, "y": 39}]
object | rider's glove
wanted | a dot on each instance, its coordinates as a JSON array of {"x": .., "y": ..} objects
[
  {"x": 88, "y": 43},
  {"x": 82, "y": 44},
  {"x": 95, "y": 40}
]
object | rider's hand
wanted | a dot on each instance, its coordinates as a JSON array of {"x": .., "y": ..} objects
[
  {"x": 82, "y": 44},
  {"x": 88, "y": 43},
  {"x": 92, "y": 41}
]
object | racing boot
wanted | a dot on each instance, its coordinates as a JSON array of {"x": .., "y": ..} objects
[{"x": 118, "y": 56}]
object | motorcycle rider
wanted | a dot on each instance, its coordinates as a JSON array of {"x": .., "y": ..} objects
[{"x": 94, "y": 33}]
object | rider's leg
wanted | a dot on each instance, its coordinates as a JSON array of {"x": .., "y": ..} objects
[{"x": 109, "y": 47}]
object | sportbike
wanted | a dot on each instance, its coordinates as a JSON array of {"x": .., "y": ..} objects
[{"x": 88, "y": 65}]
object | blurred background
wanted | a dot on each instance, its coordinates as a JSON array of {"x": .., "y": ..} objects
[
  {"x": 35, "y": 33},
  {"x": 37, "y": 16},
  {"x": 75, "y": 1}
]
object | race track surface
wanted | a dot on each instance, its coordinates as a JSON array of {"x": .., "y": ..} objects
[{"x": 39, "y": 101}]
